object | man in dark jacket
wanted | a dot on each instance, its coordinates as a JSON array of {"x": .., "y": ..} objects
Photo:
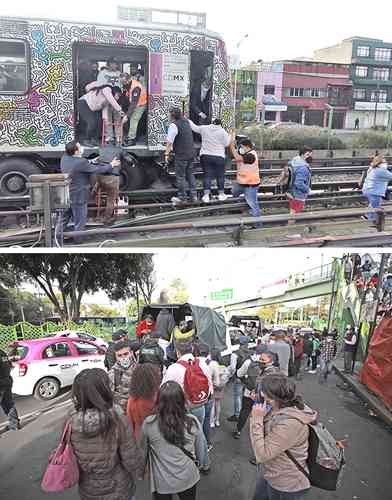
[
  {"x": 110, "y": 356},
  {"x": 6, "y": 399},
  {"x": 200, "y": 100},
  {"x": 151, "y": 351},
  {"x": 165, "y": 323},
  {"x": 180, "y": 140},
  {"x": 80, "y": 171}
]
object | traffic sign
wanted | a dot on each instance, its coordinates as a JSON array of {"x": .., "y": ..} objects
[{"x": 226, "y": 294}]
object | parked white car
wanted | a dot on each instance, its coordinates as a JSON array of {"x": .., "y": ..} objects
[
  {"x": 45, "y": 366},
  {"x": 78, "y": 334}
]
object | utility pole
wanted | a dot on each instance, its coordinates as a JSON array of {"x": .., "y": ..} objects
[
  {"x": 376, "y": 106},
  {"x": 235, "y": 84}
]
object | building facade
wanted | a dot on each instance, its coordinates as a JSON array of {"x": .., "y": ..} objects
[
  {"x": 269, "y": 92},
  {"x": 371, "y": 73}
]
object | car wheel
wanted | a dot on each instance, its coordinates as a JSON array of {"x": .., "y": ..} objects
[{"x": 47, "y": 388}]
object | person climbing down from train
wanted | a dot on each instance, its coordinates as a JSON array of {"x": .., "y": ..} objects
[
  {"x": 296, "y": 180},
  {"x": 110, "y": 75},
  {"x": 376, "y": 185},
  {"x": 248, "y": 176},
  {"x": 80, "y": 171},
  {"x": 214, "y": 141},
  {"x": 180, "y": 141},
  {"x": 98, "y": 99},
  {"x": 137, "y": 95}
]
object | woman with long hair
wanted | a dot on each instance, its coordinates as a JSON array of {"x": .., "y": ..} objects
[
  {"x": 107, "y": 454},
  {"x": 172, "y": 442},
  {"x": 220, "y": 377},
  {"x": 376, "y": 185},
  {"x": 143, "y": 394},
  {"x": 278, "y": 426}
]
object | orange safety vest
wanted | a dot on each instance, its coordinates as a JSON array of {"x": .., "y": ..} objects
[
  {"x": 143, "y": 92},
  {"x": 249, "y": 174}
]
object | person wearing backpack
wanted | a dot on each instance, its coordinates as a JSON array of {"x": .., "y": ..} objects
[
  {"x": 194, "y": 378},
  {"x": 328, "y": 350},
  {"x": 296, "y": 180},
  {"x": 237, "y": 359},
  {"x": 220, "y": 377},
  {"x": 251, "y": 372},
  {"x": 108, "y": 457},
  {"x": 279, "y": 425},
  {"x": 308, "y": 349},
  {"x": 315, "y": 354},
  {"x": 282, "y": 349},
  {"x": 202, "y": 352},
  {"x": 121, "y": 373},
  {"x": 172, "y": 442},
  {"x": 151, "y": 351}
]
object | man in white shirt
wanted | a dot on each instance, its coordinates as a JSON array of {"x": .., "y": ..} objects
[
  {"x": 350, "y": 343},
  {"x": 111, "y": 76},
  {"x": 176, "y": 373},
  {"x": 214, "y": 141}
]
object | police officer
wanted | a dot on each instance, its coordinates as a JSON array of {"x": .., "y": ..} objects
[
  {"x": 6, "y": 400},
  {"x": 110, "y": 356}
]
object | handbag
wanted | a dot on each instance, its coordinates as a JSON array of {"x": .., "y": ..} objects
[{"x": 63, "y": 470}]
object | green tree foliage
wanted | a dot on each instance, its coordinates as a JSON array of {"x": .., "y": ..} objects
[
  {"x": 132, "y": 309},
  {"x": 17, "y": 306},
  {"x": 268, "y": 313},
  {"x": 177, "y": 292},
  {"x": 73, "y": 275},
  {"x": 99, "y": 310}
]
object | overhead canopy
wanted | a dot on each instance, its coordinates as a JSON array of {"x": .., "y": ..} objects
[{"x": 210, "y": 326}]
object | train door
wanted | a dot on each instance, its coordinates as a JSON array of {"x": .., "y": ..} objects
[
  {"x": 103, "y": 64},
  {"x": 201, "y": 86}
]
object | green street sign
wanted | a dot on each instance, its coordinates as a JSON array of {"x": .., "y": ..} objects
[{"x": 226, "y": 294}]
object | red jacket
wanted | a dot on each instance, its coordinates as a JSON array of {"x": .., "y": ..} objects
[
  {"x": 142, "y": 326},
  {"x": 299, "y": 348},
  {"x": 138, "y": 410}
]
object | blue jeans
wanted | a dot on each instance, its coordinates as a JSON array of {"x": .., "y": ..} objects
[
  {"x": 214, "y": 168},
  {"x": 237, "y": 396},
  {"x": 200, "y": 414},
  {"x": 265, "y": 492},
  {"x": 207, "y": 418},
  {"x": 374, "y": 202},
  {"x": 78, "y": 213},
  {"x": 325, "y": 369},
  {"x": 184, "y": 174},
  {"x": 250, "y": 193}
]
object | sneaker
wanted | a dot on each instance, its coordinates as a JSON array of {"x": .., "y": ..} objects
[
  {"x": 212, "y": 425},
  {"x": 233, "y": 418},
  {"x": 206, "y": 198},
  {"x": 364, "y": 217},
  {"x": 210, "y": 447},
  {"x": 312, "y": 371},
  {"x": 236, "y": 435},
  {"x": 217, "y": 424},
  {"x": 205, "y": 470},
  {"x": 176, "y": 201},
  {"x": 253, "y": 461},
  {"x": 222, "y": 197}
]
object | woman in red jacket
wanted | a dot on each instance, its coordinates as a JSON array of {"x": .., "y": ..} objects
[{"x": 143, "y": 392}]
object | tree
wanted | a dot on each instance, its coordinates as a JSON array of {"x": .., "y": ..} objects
[
  {"x": 74, "y": 275},
  {"x": 146, "y": 281},
  {"x": 100, "y": 311},
  {"x": 177, "y": 292},
  {"x": 268, "y": 313},
  {"x": 132, "y": 308}
]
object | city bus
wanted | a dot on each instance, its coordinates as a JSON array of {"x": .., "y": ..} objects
[{"x": 42, "y": 63}]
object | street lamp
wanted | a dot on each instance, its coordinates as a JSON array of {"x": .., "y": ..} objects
[{"x": 235, "y": 82}]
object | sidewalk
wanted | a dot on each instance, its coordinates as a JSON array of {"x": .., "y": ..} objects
[{"x": 362, "y": 391}]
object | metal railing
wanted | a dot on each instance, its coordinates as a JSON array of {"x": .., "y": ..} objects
[{"x": 320, "y": 273}]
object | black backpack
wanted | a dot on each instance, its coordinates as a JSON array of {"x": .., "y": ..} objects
[
  {"x": 242, "y": 355},
  {"x": 151, "y": 353},
  {"x": 250, "y": 380}
]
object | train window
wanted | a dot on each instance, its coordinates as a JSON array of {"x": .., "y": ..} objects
[
  {"x": 13, "y": 67},
  {"x": 201, "y": 86}
]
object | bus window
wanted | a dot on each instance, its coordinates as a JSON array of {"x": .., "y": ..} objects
[
  {"x": 13, "y": 67},
  {"x": 201, "y": 86},
  {"x": 124, "y": 67}
]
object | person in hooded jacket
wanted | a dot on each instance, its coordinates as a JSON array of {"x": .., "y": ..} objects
[
  {"x": 278, "y": 425},
  {"x": 376, "y": 184},
  {"x": 121, "y": 373},
  {"x": 108, "y": 457},
  {"x": 297, "y": 177},
  {"x": 165, "y": 323}
]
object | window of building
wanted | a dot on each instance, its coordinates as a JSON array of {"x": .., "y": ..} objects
[
  {"x": 363, "y": 51},
  {"x": 269, "y": 89},
  {"x": 381, "y": 74},
  {"x": 359, "y": 93},
  {"x": 13, "y": 67},
  {"x": 383, "y": 54},
  {"x": 379, "y": 96},
  {"x": 361, "y": 71},
  {"x": 270, "y": 116},
  {"x": 296, "y": 92},
  {"x": 315, "y": 92}
]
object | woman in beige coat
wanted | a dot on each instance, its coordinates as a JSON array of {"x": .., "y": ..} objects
[{"x": 277, "y": 426}]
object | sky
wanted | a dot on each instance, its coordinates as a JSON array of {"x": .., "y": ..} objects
[{"x": 288, "y": 30}]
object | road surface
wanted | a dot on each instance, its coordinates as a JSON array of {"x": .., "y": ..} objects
[{"x": 367, "y": 475}]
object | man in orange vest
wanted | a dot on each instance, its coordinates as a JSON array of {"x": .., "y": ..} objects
[
  {"x": 137, "y": 95},
  {"x": 248, "y": 176}
]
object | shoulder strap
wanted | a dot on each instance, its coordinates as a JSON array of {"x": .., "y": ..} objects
[
  {"x": 298, "y": 465},
  {"x": 117, "y": 378}
]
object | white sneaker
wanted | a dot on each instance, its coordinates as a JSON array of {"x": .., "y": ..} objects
[
  {"x": 222, "y": 197},
  {"x": 312, "y": 371},
  {"x": 217, "y": 424},
  {"x": 212, "y": 425},
  {"x": 176, "y": 201},
  {"x": 206, "y": 198}
]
